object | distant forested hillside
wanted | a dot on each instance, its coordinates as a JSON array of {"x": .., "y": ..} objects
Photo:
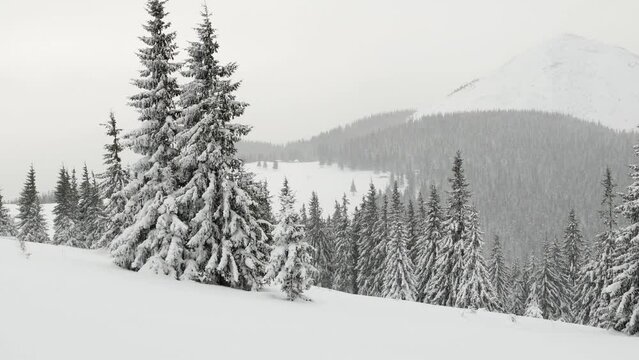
[
  {"x": 526, "y": 169},
  {"x": 309, "y": 150}
]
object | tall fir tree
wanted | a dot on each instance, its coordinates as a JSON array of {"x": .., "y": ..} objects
[
  {"x": 64, "y": 222},
  {"x": 227, "y": 241},
  {"x": 623, "y": 293},
  {"x": 112, "y": 184},
  {"x": 367, "y": 263},
  {"x": 412, "y": 230},
  {"x": 498, "y": 271},
  {"x": 320, "y": 241},
  {"x": 153, "y": 237},
  {"x": 90, "y": 211},
  {"x": 381, "y": 240},
  {"x": 398, "y": 270},
  {"x": 429, "y": 244},
  {"x": 7, "y": 227},
  {"x": 31, "y": 224},
  {"x": 476, "y": 290},
  {"x": 290, "y": 260},
  {"x": 573, "y": 248},
  {"x": 592, "y": 301},
  {"x": 553, "y": 284},
  {"x": 444, "y": 287},
  {"x": 345, "y": 259}
]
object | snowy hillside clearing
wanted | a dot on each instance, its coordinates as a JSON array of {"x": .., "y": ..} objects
[
  {"x": 329, "y": 181},
  {"x": 67, "y": 303}
]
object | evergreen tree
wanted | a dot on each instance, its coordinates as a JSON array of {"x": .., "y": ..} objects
[
  {"x": 524, "y": 287},
  {"x": 573, "y": 248},
  {"x": 7, "y": 227},
  {"x": 228, "y": 239},
  {"x": 31, "y": 224},
  {"x": 320, "y": 241},
  {"x": 367, "y": 264},
  {"x": 398, "y": 270},
  {"x": 112, "y": 184},
  {"x": 152, "y": 238},
  {"x": 90, "y": 211},
  {"x": 353, "y": 189},
  {"x": 381, "y": 239},
  {"x": 498, "y": 271},
  {"x": 552, "y": 284},
  {"x": 533, "y": 308},
  {"x": 444, "y": 288},
  {"x": 290, "y": 260},
  {"x": 345, "y": 259},
  {"x": 475, "y": 289},
  {"x": 428, "y": 245},
  {"x": 412, "y": 229},
  {"x": 64, "y": 221},
  {"x": 623, "y": 293},
  {"x": 512, "y": 304}
]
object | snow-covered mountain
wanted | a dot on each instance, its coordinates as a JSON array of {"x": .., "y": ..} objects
[{"x": 568, "y": 74}]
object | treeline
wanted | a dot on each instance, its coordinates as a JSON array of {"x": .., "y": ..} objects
[
  {"x": 314, "y": 148},
  {"x": 528, "y": 168},
  {"x": 427, "y": 251}
]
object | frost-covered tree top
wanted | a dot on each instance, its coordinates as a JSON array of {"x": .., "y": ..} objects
[
  {"x": 7, "y": 227},
  {"x": 31, "y": 225}
]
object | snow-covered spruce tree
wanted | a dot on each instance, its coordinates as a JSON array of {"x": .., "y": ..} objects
[
  {"x": 344, "y": 255},
  {"x": 475, "y": 289},
  {"x": 412, "y": 230},
  {"x": 64, "y": 221},
  {"x": 573, "y": 248},
  {"x": 524, "y": 286},
  {"x": 7, "y": 227},
  {"x": 381, "y": 239},
  {"x": 398, "y": 270},
  {"x": 290, "y": 260},
  {"x": 498, "y": 271},
  {"x": 318, "y": 239},
  {"x": 428, "y": 245},
  {"x": 367, "y": 265},
  {"x": 31, "y": 224},
  {"x": 227, "y": 241},
  {"x": 444, "y": 287},
  {"x": 516, "y": 286},
  {"x": 553, "y": 284},
  {"x": 90, "y": 212},
  {"x": 112, "y": 184},
  {"x": 153, "y": 237},
  {"x": 623, "y": 291},
  {"x": 532, "y": 303},
  {"x": 591, "y": 302}
]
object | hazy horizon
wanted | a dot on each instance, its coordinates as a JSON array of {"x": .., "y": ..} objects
[{"x": 305, "y": 68}]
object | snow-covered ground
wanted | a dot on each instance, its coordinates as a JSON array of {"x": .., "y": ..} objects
[
  {"x": 47, "y": 212},
  {"x": 66, "y": 303},
  {"x": 329, "y": 181},
  {"x": 569, "y": 74}
]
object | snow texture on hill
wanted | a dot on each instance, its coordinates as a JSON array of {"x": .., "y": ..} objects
[
  {"x": 329, "y": 181},
  {"x": 68, "y": 303},
  {"x": 568, "y": 74}
]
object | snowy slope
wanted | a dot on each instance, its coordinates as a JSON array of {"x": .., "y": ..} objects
[
  {"x": 329, "y": 181},
  {"x": 66, "y": 303},
  {"x": 569, "y": 74}
]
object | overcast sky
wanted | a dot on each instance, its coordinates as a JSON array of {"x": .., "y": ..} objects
[{"x": 306, "y": 66}]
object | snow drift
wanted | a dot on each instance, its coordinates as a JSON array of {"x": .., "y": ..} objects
[{"x": 67, "y": 303}]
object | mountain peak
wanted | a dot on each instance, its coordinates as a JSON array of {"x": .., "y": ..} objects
[{"x": 568, "y": 74}]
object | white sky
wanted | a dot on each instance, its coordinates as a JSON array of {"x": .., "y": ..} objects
[{"x": 306, "y": 66}]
